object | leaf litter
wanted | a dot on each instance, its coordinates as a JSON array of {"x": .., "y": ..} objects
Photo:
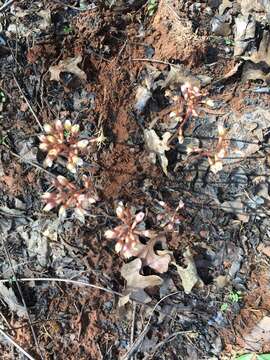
[{"x": 229, "y": 218}]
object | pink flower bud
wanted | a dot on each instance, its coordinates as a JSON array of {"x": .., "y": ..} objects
[
  {"x": 49, "y": 206},
  {"x": 51, "y": 139},
  {"x": 75, "y": 129},
  {"x": 58, "y": 125},
  {"x": 53, "y": 152},
  {"x": 62, "y": 180},
  {"x": 67, "y": 125},
  {"x": 47, "y": 196}
]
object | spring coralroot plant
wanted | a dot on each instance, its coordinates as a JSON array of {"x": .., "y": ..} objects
[
  {"x": 127, "y": 234},
  {"x": 189, "y": 101},
  {"x": 168, "y": 217},
  {"x": 68, "y": 196},
  {"x": 216, "y": 156},
  {"x": 63, "y": 140}
]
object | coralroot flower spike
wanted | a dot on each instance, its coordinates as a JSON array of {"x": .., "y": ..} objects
[
  {"x": 192, "y": 97},
  {"x": 127, "y": 234},
  {"x": 63, "y": 140},
  {"x": 217, "y": 158},
  {"x": 68, "y": 196}
]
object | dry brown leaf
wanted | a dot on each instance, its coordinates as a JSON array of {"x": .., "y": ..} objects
[
  {"x": 159, "y": 260},
  {"x": 158, "y": 146},
  {"x": 138, "y": 295},
  {"x": 131, "y": 273},
  {"x": 262, "y": 55},
  {"x": 188, "y": 275},
  {"x": 259, "y": 335},
  {"x": 68, "y": 65},
  {"x": 230, "y": 73}
]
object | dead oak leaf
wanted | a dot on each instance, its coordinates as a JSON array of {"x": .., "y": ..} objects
[
  {"x": 160, "y": 260},
  {"x": 69, "y": 65},
  {"x": 131, "y": 273},
  {"x": 188, "y": 275},
  {"x": 158, "y": 146}
]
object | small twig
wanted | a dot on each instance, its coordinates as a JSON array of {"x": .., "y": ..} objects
[
  {"x": 146, "y": 328},
  {"x": 22, "y": 298},
  {"x": 165, "y": 341},
  {"x": 6, "y": 5},
  {"x": 28, "y": 103},
  {"x": 17, "y": 346},
  {"x": 156, "y": 61},
  {"x": 28, "y": 161},
  {"x": 132, "y": 332},
  {"x": 74, "y": 282}
]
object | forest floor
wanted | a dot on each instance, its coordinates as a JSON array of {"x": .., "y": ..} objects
[{"x": 120, "y": 69}]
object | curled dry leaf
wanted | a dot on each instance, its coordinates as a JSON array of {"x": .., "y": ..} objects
[
  {"x": 158, "y": 146},
  {"x": 188, "y": 275},
  {"x": 160, "y": 260},
  {"x": 131, "y": 273},
  {"x": 69, "y": 65}
]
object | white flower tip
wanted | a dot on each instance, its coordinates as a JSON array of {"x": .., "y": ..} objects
[
  {"x": 221, "y": 130},
  {"x": 210, "y": 103},
  {"x": 172, "y": 114},
  {"x": 109, "y": 234},
  {"x": 119, "y": 210},
  {"x": 67, "y": 125},
  {"x": 43, "y": 146},
  {"x": 118, "y": 247},
  {"x": 48, "y": 162},
  {"x": 216, "y": 167},
  {"x": 53, "y": 152},
  {"x": 47, "y": 128},
  {"x": 75, "y": 129},
  {"x": 51, "y": 138},
  {"x": 93, "y": 200},
  {"x": 62, "y": 212},
  {"x": 71, "y": 167},
  {"x": 82, "y": 144}
]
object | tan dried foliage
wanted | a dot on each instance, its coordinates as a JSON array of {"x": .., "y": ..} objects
[
  {"x": 131, "y": 273},
  {"x": 69, "y": 65}
]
